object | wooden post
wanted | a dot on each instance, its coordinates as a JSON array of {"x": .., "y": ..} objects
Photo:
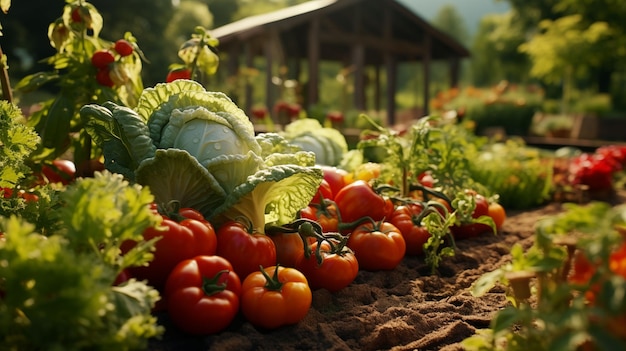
[
  {"x": 313, "y": 57},
  {"x": 248, "y": 88},
  {"x": 391, "y": 69},
  {"x": 454, "y": 72},
  {"x": 426, "y": 68},
  {"x": 358, "y": 58}
]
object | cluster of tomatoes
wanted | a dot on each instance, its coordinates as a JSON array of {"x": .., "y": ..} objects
[
  {"x": 109, "y": 72},
  {"x": 208, "y": 275}
]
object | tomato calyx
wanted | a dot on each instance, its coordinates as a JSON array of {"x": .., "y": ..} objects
[
  {"x": 272, "y": 283},
  {"x": 210, "y": 286},
  {"x": 304, "y": 227},
  {"x": 171, "y": 210}
]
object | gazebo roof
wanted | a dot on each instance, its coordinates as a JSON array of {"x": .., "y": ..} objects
[{"x": 403, "y": 38}]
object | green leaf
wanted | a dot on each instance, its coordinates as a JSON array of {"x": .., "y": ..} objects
[
  {"x": 56, "y": 123},
  {"x": 175, "y": 175},
  {"x": 104, "y": 211},
  {"x": 486, "y": 282},
  {"x": 273, "y": 196},
  {"x": 122, "y": 135},
  {"x": 35, "y": 81}
]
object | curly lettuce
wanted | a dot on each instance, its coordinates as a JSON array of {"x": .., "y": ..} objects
[{"x": 199, "y": 147}]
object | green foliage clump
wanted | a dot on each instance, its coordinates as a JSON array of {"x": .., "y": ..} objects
[{"x": 58, "y": 290}]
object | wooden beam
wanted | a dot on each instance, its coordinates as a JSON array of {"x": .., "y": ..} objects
[
  {"x": 392, "y": 45},
  {"x": 313, "y": 53}
]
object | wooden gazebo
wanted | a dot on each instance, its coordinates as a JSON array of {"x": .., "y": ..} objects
[{"x": 357, "y": 33}]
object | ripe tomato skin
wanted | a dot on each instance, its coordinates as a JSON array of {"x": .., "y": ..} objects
[
  {"x": 7, "y": 193},
  {"x": 183, "y": 73},
  {"x": 59, "y": 171},
  {"x": 103, "y": 77},
  {"x": 471, "y": 230},
  {"x": 323, "y": 192},
  {"x": 325, "y": 214},
  {"x": 497, "y": 213},
  {"x": 289, "y": 247},
  {"x": 271, "y": 307},
  {"x": 178, "y": 241},
  {"x": 337, "y": 270},
  {"x": 102, "y": 58},
  {"x": 244, "y": 248},
  {"x": 405, "y": 218},
  {"x": 358, "y": 199},
  {"x": 199, "y": 308},
  {"x": 377, "y": 246},
  {"x": 123, "y": 47},
  {"x": 336, "y": 178}
]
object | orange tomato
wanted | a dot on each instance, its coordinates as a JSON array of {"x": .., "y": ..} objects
[
  {"x": 275, "y": 296},
  {"x": 498, "y": 214}
]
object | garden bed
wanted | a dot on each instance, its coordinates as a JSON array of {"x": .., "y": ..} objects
[{"x": 402, "y": 309}]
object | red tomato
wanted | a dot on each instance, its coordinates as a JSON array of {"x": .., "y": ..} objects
[
  {"x": 325, "y": 214},
  {"x": 203, "y": 295},
  {"x": 426, "y": 179},
  {"x": 103, "y": 77},
  {"x": 59, "y": 171},
  {"x": 377, "y": 246},
  {"x": 178, "y": 241},
  {"x": 336, "y": 178},
  {"x": 497, "y": 213},
  {"x": 102, "y": 59},
  {"x": 244, "y": 248},
  {"x": 123, "y": 47},
  {"x": 338, "y": 269},
  {"x": 323, "y": 192},
  {"x": 358, "y": 200},
  {"x": 29, "y": 197},
  {"x": 289, "y": 247},
  {"x": 183, "y": 73},
  {"x": 406, "y": 219},
  {"x": 471, "y": 230},
  {"x": 275, "y": 296}
]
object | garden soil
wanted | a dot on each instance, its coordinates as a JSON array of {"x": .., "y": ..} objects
[{"x": 403, "y": 309}]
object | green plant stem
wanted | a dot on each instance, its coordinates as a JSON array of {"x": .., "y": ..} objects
[{"x": 7, "y": 93}]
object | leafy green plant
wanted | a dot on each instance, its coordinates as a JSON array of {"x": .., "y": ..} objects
[
  {"x": 566, "y": 290},
  {"x": 85, "y": 69},
  {"x": 198, "y": 147},
  {"x": 58, "y": 289},
  {"x": 519, "y": 175}
]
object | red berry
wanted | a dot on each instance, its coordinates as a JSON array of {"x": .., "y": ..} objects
[
  {"x": 123, "y": 47},
  {"x": 183, "y": 73},
  {"x": 102, "y": 58},
  {"x": 104, "y": 78}
]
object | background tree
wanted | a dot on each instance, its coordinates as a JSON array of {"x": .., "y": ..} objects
[
  {"x": 565, "y": 49},
  {"x": 495, "y": 54},
  {"x": 607, "y": 72},
  {"x": 186, "y": 17}
]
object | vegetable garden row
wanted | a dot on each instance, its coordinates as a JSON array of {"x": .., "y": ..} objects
[{"x": 173, "y": 209}]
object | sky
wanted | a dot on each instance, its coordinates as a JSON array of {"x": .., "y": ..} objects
[{"x": 471, "y": 10}]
